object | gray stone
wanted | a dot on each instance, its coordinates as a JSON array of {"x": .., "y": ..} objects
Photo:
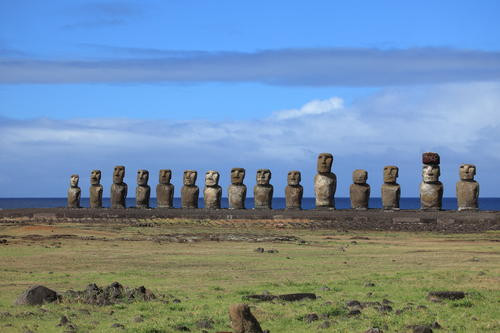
[
  {"x": 467, "y": 188},
  {"x": 294, "y": 191},
  {"x": 212, "y": 194},
  {"x": 119, "y": 189},
  {"x": 74, "y": 192},
  {"x": 165, "y": 190},
  {"x": 391, "y": 191},
  {"x": 431, "y": 189},
  {"x": 95, "y": 189},
  {"x": 242, "y": 320},
  {"x": 263, "y": 191},
  {"x": 37, "y": 295},
  {"x": 325, "y": 182},
  {"x": 142, "y": 191},
  {"x": 359, "y": 190},
  {"x": 190, "y": 192},
  {"x": 237, "y": 191}
]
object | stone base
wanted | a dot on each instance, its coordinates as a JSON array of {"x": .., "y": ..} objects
[
  {"x": 142, "y": 206},
  {"x": 390, "y": 209},
  {"x": 293, "y": 208},
  {"x": 262, "y": 207},
  {"x": 324, "y": 208},
  {"x": 473, "y": 209},
  {"x": 360, "y": 208},
  {"x": 164, "y": 206},
  {"x": 430, "y": 209}
]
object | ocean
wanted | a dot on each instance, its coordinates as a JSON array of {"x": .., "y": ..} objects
[{"x": 278, "y": 203}]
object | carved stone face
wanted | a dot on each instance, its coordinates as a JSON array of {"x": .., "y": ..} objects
[
  {"x": 211, "y": 178},
  {"x": 294, "y": 178},
  {"x": 73, "y": 181},
  {"x": 325, "y": 161},
  {"x": 467, "y": 171},
  {"x": 391, "y": 172},
  {"x": 165, "y": 176},
  {"x": 142, "y": 177},
  {"x": 430, "y": 173},
  {"x": 118, "y": 174},
  {"x": 95, "y": 177},
  {"x": 237, "y": 176},
  {"x": 190, "y": 177},
  {"x": 359, "y": 176},
  {"x": 263, "y": 176}
]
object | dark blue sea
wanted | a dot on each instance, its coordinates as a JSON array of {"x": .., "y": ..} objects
[{"x": 278, "y": 203}]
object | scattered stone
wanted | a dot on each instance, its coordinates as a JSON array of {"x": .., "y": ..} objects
[
  {"x": 328, "y": 303},
  {"x": 453, "y": 295},
  {"x": 63, "y": 321},
  {"x": 369, "y": 284},
  {"x": 481, "y": 273},
  {"x": 242, "y": 320},
  {"x": 324, "y": 325},
  {"x": 374, "y": 330},
  {"x": 325, "y": 288},
  {"x": 176, "y": 301},
  {"x": 354, "y": 312},
  {"x": 84, "y": 311},
  {"x": 386, "y": 301},
  {"x": 139, "y": 319},
  {"x": 259, "y": 250},
  {"x": 435, "y": 325},
  {"x": 284, "y": 297},
  {"x": 360, "y": 237},
  {"x": 422, "y": 307},
  {"x": 37, "y": 295},
  {"x": 118, "y": 325},
  {"x": 182, "y": 328},
  {"x": 272, "y": 251},
  {"x": 205, "y": 323},
  {"x": 384, "y": 308},
  {"x": 309, "y": 318},
  {"x": 353, "y": 303},
  {"x": 421, "y": 329},
  {"x": 3, "y": 241}
]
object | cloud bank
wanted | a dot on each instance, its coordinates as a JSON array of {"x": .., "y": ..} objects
[
  {"x": 303, "y": 67},
  {"x": 461, "y": 121}
]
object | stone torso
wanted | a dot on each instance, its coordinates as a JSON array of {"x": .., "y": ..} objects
[
  {"x": 212, "y": 197},
  {"x": 263, "y": 196},
  {"x": 293, "y": 195},
  {"x": 165, "y": 195},
  {"x": 96, "y": 196},
  {"x": 118, "y": 195},
  {"x": 431, "y": 195},
  {"x": 467, "y": 195},
  {"x": 142, "y": 194},
  {"x": 74, "y": 197},
  {"x": 390, "y": 196},
  {"x": 360, "y": 195},
  {"x": 325, "y": 185},
  {"x": 237, "y": 195},
  {"x": 189, "y": 196}
]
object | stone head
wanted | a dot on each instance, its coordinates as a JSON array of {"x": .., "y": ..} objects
[
  {"x": 359, "y": 176},
  {"x": 189, "y": 178},
  {"x": 73, "y": 181},
  {"x": 118, "y": 174},
  {"x": 263, "y": 176},
  {"x": 325, "y": 161},
  {"x": 430, "y": 158},
  {"x": 237, "y": 176},
  {"x": 142, "y": 177},
  {"x": 391, "y": 172},
  {"x": 467, "y": 171},
  {"x": 431, "y": 173},
  {"x": 211, "y": 178},
  {"x": 294, "y": 178},
  {"x": 165, "y": 176},
  {"x": 95, "y": 177}
]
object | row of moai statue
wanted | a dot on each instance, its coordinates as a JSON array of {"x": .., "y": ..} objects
[{"x": 325, "y": 185}]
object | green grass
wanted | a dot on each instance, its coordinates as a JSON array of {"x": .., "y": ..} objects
[{"x": 208, "y": 276}]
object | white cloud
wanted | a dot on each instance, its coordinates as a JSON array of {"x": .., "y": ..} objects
[{"x": 311, "y": 108}]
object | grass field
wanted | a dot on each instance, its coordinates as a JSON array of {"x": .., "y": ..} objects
[{"x": 209, "y": 267}]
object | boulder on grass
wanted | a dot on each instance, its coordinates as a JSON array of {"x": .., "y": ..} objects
[
  {"x": 242, "y": 320},
  {"x": 37, "y": 295}
]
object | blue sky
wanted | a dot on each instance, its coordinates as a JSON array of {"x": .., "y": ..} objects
[{"x": 261, "y": 84}]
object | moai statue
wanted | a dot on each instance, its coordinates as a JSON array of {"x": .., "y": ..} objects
[
  {"x": 467, "y": 188},
  {"x": 212, "y": 193},
  {"x": 294, "y": 191},
  {"x": 190, "y": 192},
  {"x": 74, "y": 192},
  {"x": 95, "y": 189},
  {"x": 237, "y": 192},
  {"x": 263, "y": 191},
  {"x": 391, "y": 191},
  {"x": 431, "y": 189},
  {"x": 359, "y": 190},
  {"x": 325, "y": 182},
  {"x": 119, "y": 189},
  {"x": 142, "y": 191},
  {"x": 165, "y": 190}
]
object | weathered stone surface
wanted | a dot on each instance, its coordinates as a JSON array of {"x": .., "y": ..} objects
[
  {"x": 212, "y": 193},
  {"x": 294, "y": 191},
  {"x": 242, "y": 320},
  {"x": 453, "y": 295},
  {"x": 467, "y": 188},
  {"x": 165, "y": 190},
  {"x": 74, "y": 192},
  {"x": 119, "y": 189},
  {"x": 237, "y": 191},
  {"x": 142, "y": 191},
  {"x": 37, "y": 295},
  {"x": 95, "y": 189},
  {"x": 263, "y": 191},
  {"x": 391, "y": 191},
  {"x": 431, "y": 189},
  {"x": 325, "y": 182},
  {"x": 359, "y": 191},
  {"x": 190, "y": 192}
]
